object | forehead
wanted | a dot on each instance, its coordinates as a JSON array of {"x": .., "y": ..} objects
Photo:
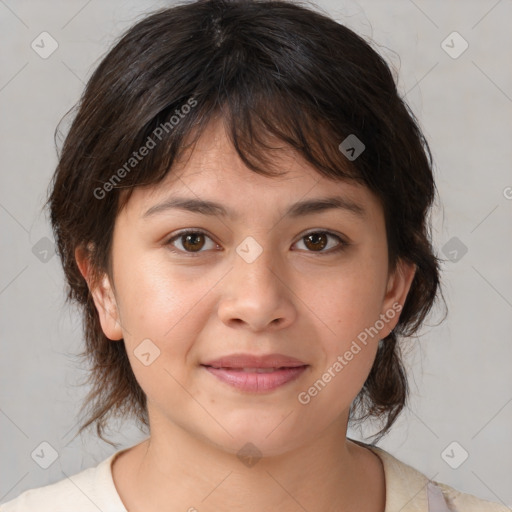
[{"x": 212, "y": 169}]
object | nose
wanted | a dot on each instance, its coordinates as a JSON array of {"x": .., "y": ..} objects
[{"x": 258, "y": 294}]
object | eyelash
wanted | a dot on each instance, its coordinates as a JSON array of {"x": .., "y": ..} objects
[{"x": 342, "y": 245}]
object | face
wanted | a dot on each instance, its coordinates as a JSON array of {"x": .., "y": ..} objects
[{"x": 265, "y": 278}]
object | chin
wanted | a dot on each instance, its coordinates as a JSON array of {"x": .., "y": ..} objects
[{"x": 254, "y": 443}]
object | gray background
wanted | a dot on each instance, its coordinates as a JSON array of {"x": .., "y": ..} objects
[{"x": 461, "y": 384}]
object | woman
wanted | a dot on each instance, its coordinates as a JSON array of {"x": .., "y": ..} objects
[{"x": 241, "y": 207}]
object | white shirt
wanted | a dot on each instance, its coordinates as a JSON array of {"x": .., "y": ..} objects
[{"x": 93, "y": 490}]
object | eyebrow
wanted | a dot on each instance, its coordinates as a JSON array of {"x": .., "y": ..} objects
[{"x": 299, "y": 209}]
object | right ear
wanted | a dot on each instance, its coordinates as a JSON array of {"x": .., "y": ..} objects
[{"x": 103, "y": 297}]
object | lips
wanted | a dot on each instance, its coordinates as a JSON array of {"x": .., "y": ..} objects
[
  {"x": 256, "y": 374},
  {"x": 249, "y": 362}
]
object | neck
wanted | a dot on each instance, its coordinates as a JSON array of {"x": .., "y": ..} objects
[{"x": 175, "y": 470}]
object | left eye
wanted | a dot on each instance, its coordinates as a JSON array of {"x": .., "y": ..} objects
[
  {"x": 318, "y": 241},
  {"x": 193, "y": 241}
]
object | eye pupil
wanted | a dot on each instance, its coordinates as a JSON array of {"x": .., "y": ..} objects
[
  {"x": 191, "y": 240},
  {"x": 316, "y": 243}
]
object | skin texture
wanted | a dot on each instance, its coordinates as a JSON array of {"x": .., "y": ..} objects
[{"x": 293, "y": 299}]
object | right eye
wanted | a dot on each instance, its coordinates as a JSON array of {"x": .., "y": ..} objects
[{"x": 191, "y": 241}]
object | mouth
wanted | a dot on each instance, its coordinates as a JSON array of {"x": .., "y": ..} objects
[
  {"x": 252, "y": 370},
  {"x": 256, "y": 380},
  {"x": 255, "y": 362}
]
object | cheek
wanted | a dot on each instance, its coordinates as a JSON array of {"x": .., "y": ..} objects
[
  {"x": 163, "y": 314},
  {"x": 167, "y": 306},
  {"x": 348, "y": 350},
  {"x": 349, "y": 299},
  {"x": 156, "y": 297},
  {"x": 349, "y": 306}
]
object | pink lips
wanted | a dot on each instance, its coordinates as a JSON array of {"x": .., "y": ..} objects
[{"x": 256, "y": 373}]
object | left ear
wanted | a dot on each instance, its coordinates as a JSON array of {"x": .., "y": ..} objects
[{"x": 399, "y": 284}]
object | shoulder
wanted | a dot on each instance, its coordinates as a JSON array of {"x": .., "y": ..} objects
[
  {"x": 71, "y": 491},
  {"x": 460, "y": 501},
  {"x": 409, "y": 490},
  {"x": 88, "y": 491}
]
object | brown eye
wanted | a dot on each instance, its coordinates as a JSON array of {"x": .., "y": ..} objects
[
  {"x": 194, "y": 241},
  {"x": 191, "y": 242},
  {"x": 317, "y": 241}
]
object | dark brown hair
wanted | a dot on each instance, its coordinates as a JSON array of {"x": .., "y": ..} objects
[{"x": 272, "y": 70}]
